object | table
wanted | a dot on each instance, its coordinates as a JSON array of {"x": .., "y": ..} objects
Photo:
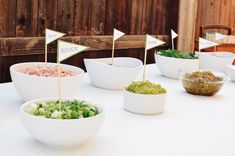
[{"x": 190, "y": 126}]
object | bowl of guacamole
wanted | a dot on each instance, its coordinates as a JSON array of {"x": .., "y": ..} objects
[{"x": 144, "y": 97}]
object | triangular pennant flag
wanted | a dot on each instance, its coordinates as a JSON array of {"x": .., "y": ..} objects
[
  {"x": 203, "y": 43},
  {"x": 219, "y": 36},
  {"x": 152, "y": 42},
  {"x": 51, "y": 35},
  {"x": 67, "y": 49},
  {"x": 173, "y": 34},
  {"x": 117, "y": 34}
]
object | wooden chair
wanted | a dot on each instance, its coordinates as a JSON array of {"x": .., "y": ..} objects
[
  {"x": 222, "y": 47},
  {"x": 219, "y": 27}
]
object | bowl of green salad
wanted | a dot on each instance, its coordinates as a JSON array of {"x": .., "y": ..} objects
[
  {"x": 171, "y": 62},
  {"x": 144, "y": 97},
  {"x": 61, "y": 124}
]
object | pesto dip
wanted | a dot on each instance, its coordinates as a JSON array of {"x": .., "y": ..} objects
[
  {"x": 202, "y": 83},
  {"x": 145, "y": 87}
]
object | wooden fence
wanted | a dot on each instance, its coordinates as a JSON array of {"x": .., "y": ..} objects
[{"x": 29, "y": 18}]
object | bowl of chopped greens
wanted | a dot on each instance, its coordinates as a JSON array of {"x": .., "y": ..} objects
[
  {"x": 170, "y": 62},
  {"x": 64, "y": 124},
  {"x": 144, "y": 97},
  {"x": 104, "y": 74},
  {"x": 206, "y": 83}
]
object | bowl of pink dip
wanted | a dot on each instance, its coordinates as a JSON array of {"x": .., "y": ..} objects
[{"x": 35, "y": 80}]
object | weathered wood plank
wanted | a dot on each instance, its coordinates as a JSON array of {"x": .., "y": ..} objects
[
  {"x": 171, "y": 21},
  {"x": 98, "y": 17},
  {"x": 35, "y": 45},
  {"x": 7, "y": 18},
  {"x": 65, "y": 16},
  {"x": 82, "y": 17},
  {"x": 47, "y": 15},
  {"x": 116, "y": 15},
  {"x": 26, "y": 16}
]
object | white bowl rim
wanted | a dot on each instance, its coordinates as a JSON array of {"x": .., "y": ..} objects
[
  {"x": 196, "y": 59},
  {"x": 143, "y": 95},
  {"x": 24, "y": 106},
  {"x": 232, "y": 55},
  {"x": 12, "y": 67},
  {"x": 231, "y": 66},
  {"x": 123, "y": 68}
]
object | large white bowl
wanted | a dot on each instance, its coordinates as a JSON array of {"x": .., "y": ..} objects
[
  {"x": 216, "y": 61},
  {"x": 116, "y": 77},
  {"x": 170, "y": 67},
  {"x": 61, "y": 133},
  {"x": 231, "y": 72},
  {"x": 144, "y": 104},
  {"x": 32, "y": 87}
]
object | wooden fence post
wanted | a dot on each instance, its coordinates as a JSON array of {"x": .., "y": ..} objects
[{"x": 186, "y": 24}]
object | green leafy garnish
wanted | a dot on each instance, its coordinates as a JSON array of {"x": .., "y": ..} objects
[
  {"x": 177, "y": 54},
  {"x": 145, "y": 87},
  {"x": 67, "y": 110}
]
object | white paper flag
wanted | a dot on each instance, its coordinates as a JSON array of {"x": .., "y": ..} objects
[
  {"x": 203, "y": 43},
  {"x": 173, "y": 34},
  {"x": 67, "y": 49},
  {"x": 51, "y": 35},
  {"x": 219, "y": 36},
  {"x": 152, "y": 42},
  {"x": 117, "y": 34}
]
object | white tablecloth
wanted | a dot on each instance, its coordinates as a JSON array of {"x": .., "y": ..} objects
[{"x": 190, "y": 126}]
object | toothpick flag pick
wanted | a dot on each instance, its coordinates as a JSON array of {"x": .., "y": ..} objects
[
  {"x": 173, "y": 36},
  {"x": 67, "y": 49},
  {"x": 203, "y": 43},
  {"x": 116, "y": 35},
  {"x": 64, "y": 51},
  {"x": 219, "y": 36},
  {"x": 150, "y": 43},
  {"x": 50, "y": 36}
]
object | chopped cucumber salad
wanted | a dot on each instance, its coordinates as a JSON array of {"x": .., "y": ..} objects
[{"x": 72, "y": 109}]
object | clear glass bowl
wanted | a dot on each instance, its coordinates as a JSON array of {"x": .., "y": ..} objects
[{"x": 201, "y": 85}]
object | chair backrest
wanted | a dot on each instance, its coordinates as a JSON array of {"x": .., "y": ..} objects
[{"x": 217, "y": 26}]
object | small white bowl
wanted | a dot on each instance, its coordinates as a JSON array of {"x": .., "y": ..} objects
[
  {"x": 116, "y": 77},
  {"x": 231, "y": 72},
  {"x": 144, "y": 104},
  {"x": 61, "y": 133},
  {"x": 216, "y": 61},
  {"x": 170, "y": 67},
  {"x": 32, "y": 87}
]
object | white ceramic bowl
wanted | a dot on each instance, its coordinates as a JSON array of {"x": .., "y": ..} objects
[
  {"x": 170, "y": 67},
  {"x": 32, "y": 87},
  {"x": 216, "y": 61},
  {"x": 116, "y": 77},
  {"x": 61, "y": 133},
  {"x": 231, "y": 72},
  {"x": 144, "y": 104}
]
